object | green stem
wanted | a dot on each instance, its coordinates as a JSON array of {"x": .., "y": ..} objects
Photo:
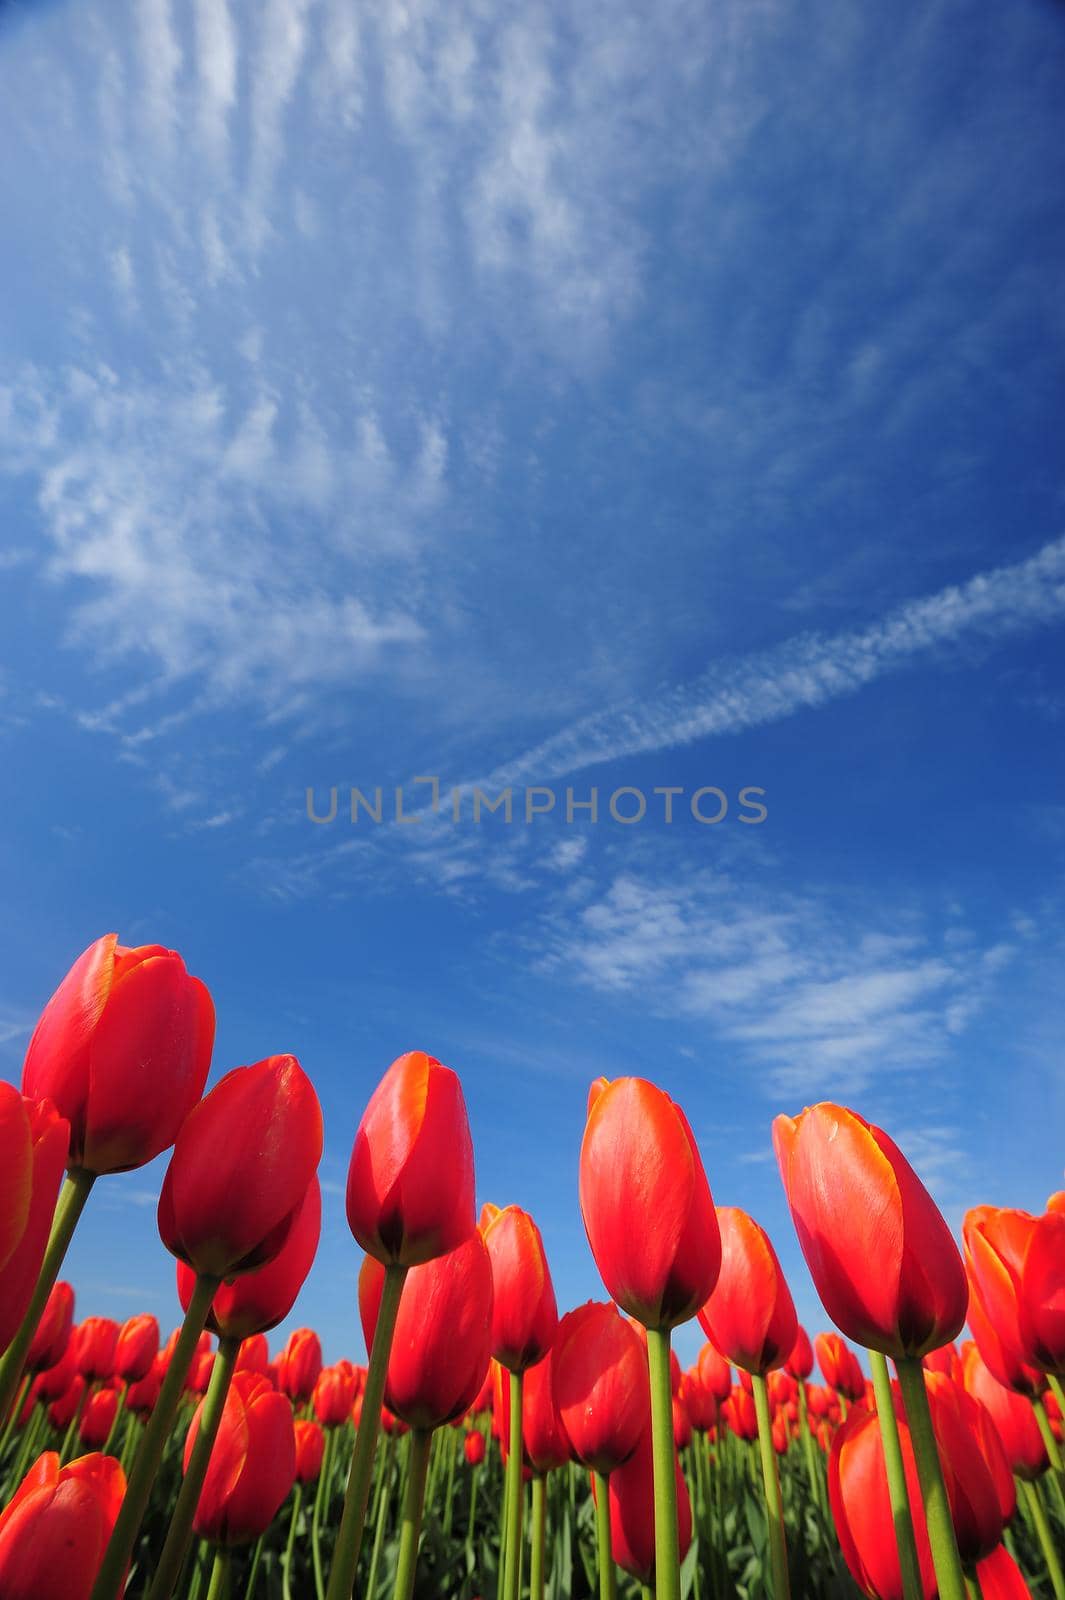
[
  {"x": 512, "y": 1580},
  {"x": 116, "y": 1420},
  {"x": 286, "y": 1564},
  {"x": 941, "y": 1536},
  {"x": 1059, "y": 1390},
  {"x": 77, "y": 1186},
  {"x": 380, "y": 1516},
  {"x": 179, "y": 1534},
  {"x": 411, "y": 1523},
  {"x": 538, "y": 1533},
  {"x": 30, "y": 1434},
  {"x": 349, "y": 1539},
  {"x": 253, "y": 1575},
  {"x": 72, "y": 1426},
  {"x": 475, "y": 1478},
  {"x": 774, "y": 1511},
  {"x": 1046, "y": 1539},
  {"x": 219, "y": 1586},
  {"x": 608, "y": 1581},
  {"x": 1053, "y": 1449},
  {"x": 316, "y": 1517},
  {"x": 450, "y": 1437},
  {"x": 667, "y": 1543},
  {"x": 816, "y": 1485},
  {"x": 15, "y": 1411},
  {"x": 898, "y": 1492},
  {"x": 128, "y": 1442},
  {"x": 116, "y": 1559}
]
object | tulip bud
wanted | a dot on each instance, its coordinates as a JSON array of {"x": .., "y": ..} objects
[
  {"x": 543, "y": 1438},
  {"x": 601, "y": 1386},
  {"x": 136, "y": 1348},
  {"x": 97, "y": 1418},
  {"x": 739, "y": 1414},
  {"x": 310, "y": 1448},
  {"x": 95, "y": 1341},
  {"x": 1011, "y": 1413},
  {"x": 473, "y": 1446},
  {"x": 252, "y": 1466},
  {"x": 54, "y": 1530},
  {"x": 715, "y": 1372},
  {"x": 334, "y": 1395},
  {"x": 524, "y": 1314},
  {"x": 646, "y": 1204},
  {"x": 441, "y": 1344},
  {"x": 801, "y": 1361},
  {"x": 861, "y": 1508},
  {"x": 632, "y": 1522},
  {"x": 123, "y": 1049},
  {"x": 33, "y": 1140},
  {"x": 881, "y": 1256},
  {"x": 300, "y": 1365},
  {"x": 839, "y": 1366},
  {"x": 750, "y": 1316},
  {"x": 410, "y": 1182},
  {"x": 1015, "y": 1263},
  {"x": 241, "y": 1168},
  {"x": 53, "y": 1331}
]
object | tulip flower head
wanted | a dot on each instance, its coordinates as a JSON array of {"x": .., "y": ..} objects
[
  {"x": 33, "y": 1153},
  {"x": 54, "y": 1530},
  {"x": 334, "y": 1395},
  {"x": 1011, "y": 1413},
  {"x": 252, "y": 1466},
  {"x": 411, "y": 1180},
  {"x": 53, "y": 1331},
  {"x": 881, "y": 1256},
  {"x": 442, "y": 1340},
  {"x": 136, "y": 1348},
  {"x": 300, "y": 1365},
  {"x": 95, "y": 1342},
  {"x": 310, "y": 1448},
  {"x": 122, "y": 1049},
  {"x": 544, "y": 1440},
  {"x": 1016, "y": 1265},
  {"x": 839, "y": 1366},
  {"x": 524, "y": 1314},
  {"x": 473, "y": 1447},
  {"x": 800, "y": 1362},
  {"x": 632, "y": 1522},
  {"x": 861, "y": 1508},
  {"x": 750, "y": 1316},
  {"x": 646, "y": 1203},
  {"x": 241, "y": 1169},
  {"x": 601, "y": 1385}
]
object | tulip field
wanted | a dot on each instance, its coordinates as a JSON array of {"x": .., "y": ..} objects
[{"x": 497, "y": 1445}]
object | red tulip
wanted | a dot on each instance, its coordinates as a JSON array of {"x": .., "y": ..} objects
[
  {"x": 300, "y": 1365},
  {"x": 259, "y": 1300},
  {"x": 839, "y": 1366},
  {"x": 861, "y": 1508},
  {"x": 334, "y": 1395},
  {"x": 524, "y": 1314},
  {"x": 253, "y": 1355},
  {"x": 881, "y": 1256},
  {"x": 715, "y": 1372},
  {"x": 241, "y": 1169},
  {"x": 94, "y": 1429},
  {"x": 53, "y": 1331},
  {"x": 410, "y": 1182},
  {"x": 739, "y": 1415},
  {"x": 65, "y": 1407},
  {"x": 646, "y": 1203},
  {"x": 682, "y": 1424},
  {"x": 543, "y": 1437},
  {"x": 441, "y": 1345},
  {"x": 782, "y": 1388},
  {"x": 95, "y": 1341},
  {"x": 975, "y": 1470},
  {"x": 56, "y": 1380},
  {"x": 999, "y": 1577},
  {"x": 945, "y": 1360},
  {"x": 123, "y": 1049},
  {"x": 1011, "y": 1413},
  {"x": 632, "y": 1521},
  {"x": 1016, "y": 1267},
  {"x": 800, "y": 1363},
  {"x": 141, "y": 1396},
  {"x": 473, "y": 1446},
  {"x": 136, "y": 1349},
  {"x": 54, "y": 1531},
  {"x": 750, "y": 1316},
  {"x": 252, "y": 1466},
  {"x": 601, "y": 1385},
  {"x": 310, "y": 1448},
  {"x": 699, "y": 1400},
  {"x": 33, "y": 1139}
]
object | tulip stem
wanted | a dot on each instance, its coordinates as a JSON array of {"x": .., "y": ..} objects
[
  {"x": 316, "y": 1516},
  {"x": 1038, "y": 1515},
  {"x": 380, "y": 1514},
  {"x": 667, "y": 1539},
  {"x": 77, "y": 1186},
  {"x": 180, "y": 1531},
  {"x": 608, "y": 1583},
  {"x": 898, "y": 1491},
  {"x": 219, "y": 1585},
  {"x": 941, "y": 1536},
  {"x": 421, "y": 1440},
  {"x": 72, "y": 1425},
  {"x": 253, "y": 1575},
  {"x": 774, "y": 1510},
  {"x": 451, "y": 1439},
  {"x": 475, "y": 1478},
  {"x": 150, "y": 1451},
  {"x": 512, "y": 1578},
  {"x": 537, "y": 1535},
  {"x": 30, "y": 1434},
  {"x": 349, "y": 1539},
  {"x": 286, "y": 1563},
  {"x": 1051, "y": 1444},
  {"x": 116, "y": 1420},
  {"x": 15, "y": 1411}
]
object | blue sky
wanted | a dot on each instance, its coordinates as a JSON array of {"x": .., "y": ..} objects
[{"x": 578, "y": 398}]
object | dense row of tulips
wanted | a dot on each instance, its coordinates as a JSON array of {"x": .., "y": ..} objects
[{"x": 491, "y": 1445}]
